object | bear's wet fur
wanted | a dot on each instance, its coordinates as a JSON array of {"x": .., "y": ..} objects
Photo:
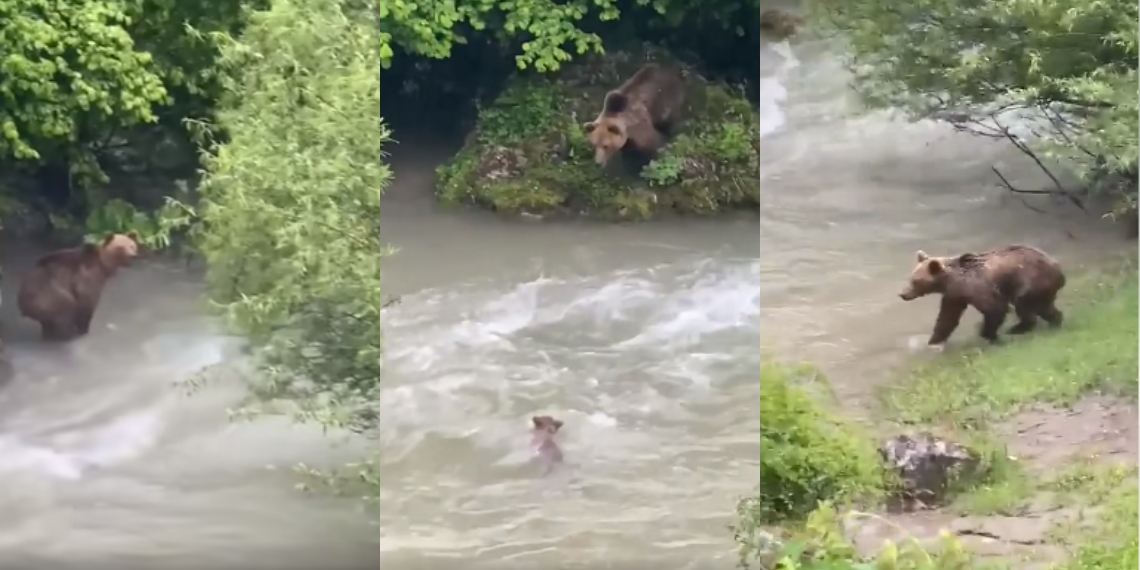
[
  {"x": 63, "y": 289},
  {"x": 638, "y": 116},
  {"x": 1018, "y": 275}
]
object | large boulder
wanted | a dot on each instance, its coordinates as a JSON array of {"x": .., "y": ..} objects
[
  {"x": 927, "y": 468},
  {"x": 528, "y": 153}
]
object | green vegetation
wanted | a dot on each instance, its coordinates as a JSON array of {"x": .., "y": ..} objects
[
  {"x": 529, "y": 152},
  {"x": 806, "y": 455},
  {"x": 297, "y": 180},
  {"x": 1113, "y": 543},
  {"x": 967, "y": 393},
  {"x": 98, "y": 94},
  {"x": 551, "y": 32},
  {"x": 1072, "y": 63},
  {"x": 85, "y": 86}
]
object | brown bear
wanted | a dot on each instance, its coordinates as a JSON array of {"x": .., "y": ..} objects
[
  {"x": 542, "y": 440},
  {"x": 782, "y": 25},
  {"x": 63, "y": 288},
  {"x": 1023, "y": 276},
  {"x": 639, "y": 114}
]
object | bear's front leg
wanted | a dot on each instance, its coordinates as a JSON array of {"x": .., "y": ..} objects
[{"x": 949, "y": 315}]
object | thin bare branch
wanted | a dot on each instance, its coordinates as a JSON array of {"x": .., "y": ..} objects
[{"x": 1006, "y": 184}]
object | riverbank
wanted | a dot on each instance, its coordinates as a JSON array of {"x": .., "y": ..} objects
[{"x": 1053, "y": 416}]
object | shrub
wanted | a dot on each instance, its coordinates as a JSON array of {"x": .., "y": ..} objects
[{"x": 806, "y": 457}]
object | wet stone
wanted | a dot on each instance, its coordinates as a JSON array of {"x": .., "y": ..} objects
[{"x": 926, "y": 466}]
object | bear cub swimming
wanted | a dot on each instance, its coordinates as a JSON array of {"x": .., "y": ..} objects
[{"x": 542, "y": 440}]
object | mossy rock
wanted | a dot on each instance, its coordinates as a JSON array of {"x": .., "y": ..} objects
[{"x": 529, "y": 155}]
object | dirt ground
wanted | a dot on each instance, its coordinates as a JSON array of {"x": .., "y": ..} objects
[{"x": 1045, "y": 440}]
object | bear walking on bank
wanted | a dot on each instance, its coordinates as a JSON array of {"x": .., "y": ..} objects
[
  {"x": 639, "y": 114},
  {"x": 63, "y": 288},
  {"x": 1023, "y": 276}
]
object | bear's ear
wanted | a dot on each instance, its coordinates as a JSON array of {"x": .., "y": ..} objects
[
  {"x": 133, "y": 235},
  {"x": 921, "y": 256},
  {"x": 615, "y": 102},
  {"x": 107, "y": 239},
  {"x": 537, "y": 421},
  {"x": 557, "y": 425},
  {"x": 589, "y": 127},
  {"x": 935, "y": 267}
]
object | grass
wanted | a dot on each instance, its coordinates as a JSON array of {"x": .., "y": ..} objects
[{"x": 1111, "y": 542}]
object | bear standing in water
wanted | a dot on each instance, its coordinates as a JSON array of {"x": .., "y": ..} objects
[
  {"x": 638, "y": 115},
  {"x": 62, "y": 290},
  {"x": 1023, "y": 276}
]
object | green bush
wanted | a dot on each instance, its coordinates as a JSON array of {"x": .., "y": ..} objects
[{"x": 806, "y": 457}]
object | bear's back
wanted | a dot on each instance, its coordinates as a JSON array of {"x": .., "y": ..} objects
[
  {"x": 655, "y": 90},
  {"x": 1012, "y": 271},
  {"x": 65, "y": 266}
]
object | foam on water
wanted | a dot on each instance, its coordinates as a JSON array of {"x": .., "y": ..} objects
[
  {"x": 772, "y": 91},
  {"x": 63, "y": 442}
]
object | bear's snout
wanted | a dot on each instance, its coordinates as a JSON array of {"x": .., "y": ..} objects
[{"x": 907, "y": 295}]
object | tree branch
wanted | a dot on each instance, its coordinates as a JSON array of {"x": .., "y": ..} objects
[{"x": 1005, "y": 184}]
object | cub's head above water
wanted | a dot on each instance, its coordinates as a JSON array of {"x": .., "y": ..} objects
[
  {"x": 545, "y": 425},
  {"x": 542, "y": 438}
]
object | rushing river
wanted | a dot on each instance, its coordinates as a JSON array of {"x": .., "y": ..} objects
[{"x": 644, "y": 339}]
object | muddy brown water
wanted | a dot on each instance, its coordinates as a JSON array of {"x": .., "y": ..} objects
[{"x": 643, "y": 339}]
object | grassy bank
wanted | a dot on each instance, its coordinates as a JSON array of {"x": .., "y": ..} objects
[{"x": 968, "y": 393}]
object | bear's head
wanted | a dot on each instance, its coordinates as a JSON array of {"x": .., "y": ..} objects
[
  {"x": 607, "y": 135},
  {"x": 118, "y": 250},
  {"x": 780, "y": 23},
  {"x": 929, "y": 276},
  {"x": 546, "y": 424}
]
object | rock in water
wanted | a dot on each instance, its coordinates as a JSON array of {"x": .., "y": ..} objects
[{"x": 926, "y": 466}]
